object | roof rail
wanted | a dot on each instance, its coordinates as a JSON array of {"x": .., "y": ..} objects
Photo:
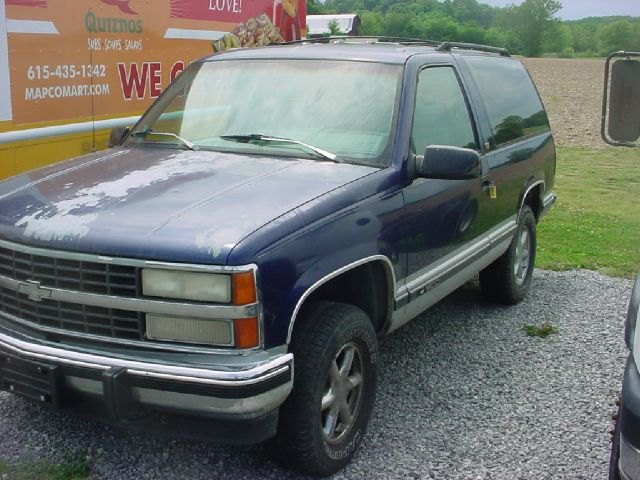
[
  {"x": 365, "y": 39},
  {"x": 440, "y": 46},
  {"x": 447, "y": 46}
]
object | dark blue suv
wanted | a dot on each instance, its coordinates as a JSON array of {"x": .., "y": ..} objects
[
  {"x": 625, "y": 451},
  {"x": 227, "y": 268}
]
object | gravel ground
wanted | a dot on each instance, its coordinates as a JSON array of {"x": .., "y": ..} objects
[{"x": 464, "y": 394}]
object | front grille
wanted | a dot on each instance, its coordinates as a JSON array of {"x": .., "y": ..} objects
[
  {"x": 109, "y": 322},
  {"x": 76, "y": 275}
]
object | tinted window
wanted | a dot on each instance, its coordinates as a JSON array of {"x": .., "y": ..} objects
[
  {"x": 508, "y": 94},
  {"x": 441, "y": 116}
]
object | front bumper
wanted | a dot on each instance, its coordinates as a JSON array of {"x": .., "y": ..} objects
[
  {"x": 137, "y": 392},
  {"x": 629, "y": 423}
]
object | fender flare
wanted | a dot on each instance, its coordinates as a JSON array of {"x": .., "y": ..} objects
[
  {"x": 528, "y": 190},
  {"x": 391, "y": 283}
]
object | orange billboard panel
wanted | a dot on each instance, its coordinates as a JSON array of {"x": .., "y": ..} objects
[{"x": 73, "y": 61}]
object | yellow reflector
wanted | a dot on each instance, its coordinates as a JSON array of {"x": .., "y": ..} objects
[
  {"x": 189, "y": 330},
  {"x": 246, "y": 332},
  {"x": 244, "y": 288}
]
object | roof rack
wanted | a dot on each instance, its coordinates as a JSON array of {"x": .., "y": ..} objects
[
  {"x": 448, "y": 46},
  {"x": 440, "y": 46},
  {"x": 365, "y": 39}
]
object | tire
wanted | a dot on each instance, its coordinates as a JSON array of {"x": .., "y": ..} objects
[
  {"x": 508, "y": 278},
  {"x": 315, "y": 435}
]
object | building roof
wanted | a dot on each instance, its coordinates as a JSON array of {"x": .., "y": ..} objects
[{"x": 319, "y": 24}]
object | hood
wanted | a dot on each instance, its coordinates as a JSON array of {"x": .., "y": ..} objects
[{"x": 161, "y": 204}]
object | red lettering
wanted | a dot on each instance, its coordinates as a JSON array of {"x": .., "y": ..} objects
[
  {"x": 176, "y": 70},
  {"x": 134, "y": 78},
  {"x": 155, "y": 81}
]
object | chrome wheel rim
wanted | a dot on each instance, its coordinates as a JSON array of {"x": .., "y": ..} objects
[
  {"x": 522, "y": 255},
  {"x": 343, "y": 393}
]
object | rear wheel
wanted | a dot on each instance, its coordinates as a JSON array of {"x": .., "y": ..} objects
[
  {"x": 324, "y": 419},
  {"x": 507, "y": 279}
]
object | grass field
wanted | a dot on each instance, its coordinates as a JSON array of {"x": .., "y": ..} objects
[
  {"x": 69, "y": 468},
  {"x": 596, "y": 222}
]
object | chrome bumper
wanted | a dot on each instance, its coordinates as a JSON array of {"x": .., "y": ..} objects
[{"x": 232, "y": 391}]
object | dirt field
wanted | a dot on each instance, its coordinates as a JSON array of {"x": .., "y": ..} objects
[{"x": 572, "y": 93}]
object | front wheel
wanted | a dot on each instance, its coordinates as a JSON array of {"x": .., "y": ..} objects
[
  {"x": 507, "y": 279},
  {"x": 324, "y": 419}
]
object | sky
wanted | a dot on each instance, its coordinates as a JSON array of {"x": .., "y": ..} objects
[{"x": 574, "y": 9}]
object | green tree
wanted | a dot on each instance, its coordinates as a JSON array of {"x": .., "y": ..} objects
[
  {"x": 584, "y": 35},
  {"x": 343, "y": 6},
  {"x": 616, "y": 36},
  {"x": 529, "y": 28},
  {"x": 371, "y": 24},
  {"x": 497, "y": 37},
  {"x": 529, "y": 23},
  {"x": 463, "y": 10},
  {"x": 557, "y": 38},
  {"x": 314, "y": 8},
  {"x": 395, "y": 24},
  {"x": 334, "y": 28},
  {"x": 440, "y": 27},
  {"x": 472, "y": 33}
]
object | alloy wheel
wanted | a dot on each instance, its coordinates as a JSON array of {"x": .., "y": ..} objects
[
  {"x": 343, "y": 393},
  {"x": 522, "y": 256}
]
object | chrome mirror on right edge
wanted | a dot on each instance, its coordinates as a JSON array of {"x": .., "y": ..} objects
[{"x": 621, "y": 100}]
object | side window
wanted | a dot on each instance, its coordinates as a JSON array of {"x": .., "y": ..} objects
[
  {"x": 441, "y": 116},
  {"x": 512, "y": 103}
]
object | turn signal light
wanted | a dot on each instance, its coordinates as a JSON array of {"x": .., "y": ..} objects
[
  {"x": 244, "y": 288},
  {"x": 246, "y": 332}
]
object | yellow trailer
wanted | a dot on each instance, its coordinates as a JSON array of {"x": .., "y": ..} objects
[{"x": 71, "y": 70}]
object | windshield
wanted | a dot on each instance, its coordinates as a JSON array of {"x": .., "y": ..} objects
[{"x": 344, "y": 108}]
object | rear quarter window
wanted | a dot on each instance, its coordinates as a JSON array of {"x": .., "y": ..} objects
[{"x": 509, "y": 97}]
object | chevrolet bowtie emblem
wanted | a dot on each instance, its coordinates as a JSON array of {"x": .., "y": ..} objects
[{"x": 33, "y": 290}]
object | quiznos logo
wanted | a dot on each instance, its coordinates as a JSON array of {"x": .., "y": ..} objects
[{"x": 96, "y": 24}]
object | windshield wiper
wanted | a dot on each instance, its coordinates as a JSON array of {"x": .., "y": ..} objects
[
  {"x": 184, "y": 141},
  {"x": 257, "y": 137}
]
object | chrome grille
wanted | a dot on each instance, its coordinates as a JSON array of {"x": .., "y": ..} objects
[
  {"x": 80, "y": 276},
  {"x": 107, "y": 322}
]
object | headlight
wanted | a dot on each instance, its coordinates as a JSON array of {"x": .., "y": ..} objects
[
  {"x": 630, "y": 331},
  {"x": 237, "y": 288},
  {"x": 202, "y": 287}
]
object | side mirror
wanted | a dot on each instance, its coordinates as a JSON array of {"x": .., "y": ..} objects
[
  {"x": 621, "y": 100},
  {"x": 117, "y": 136},
  {"x": 448, "y": 163}
]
